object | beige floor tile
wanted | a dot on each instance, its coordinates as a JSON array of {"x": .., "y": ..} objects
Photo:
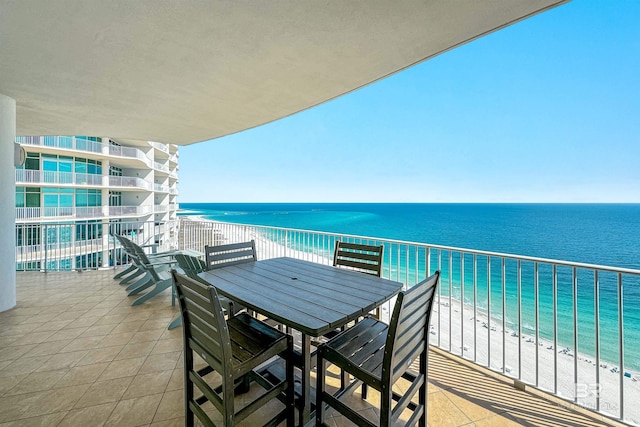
[
  {"x": 160, "y": 362},
  {"x": 127, "y": 327},
  {"x": 82, "y": 343},
  {"x": 69, "y": 315},
  {"x": 167, "y": 346},
  {"x": 14, "y": 352},
  {"x": 39, "y": 403},
  {"x": 8, "y": 383},
  {"x": 150, "y": 335},
  {"x": 66, "y": 334},
  {"x": 104, "y": 392},
  {"x": 34, "y": 338},
  {"x": 82, "y": 375},
  {"x": 177, "y": 379},
  {"x": 146, "y": 384},
  {"x": 443, "y": 412},
  {"x": 89, "y": 416},
  {"x": 62, "y": 361},
  {"x": 174, "y": 422},
  {"x": 98, "y": 331},
  {"x": 110, "y": 319},
  {"x": 41, "y": 421},
  {"x": 114, "y": 339},
  {"x": 37, "y": 381},
  {"x": 135, "y": 412},
  {"x": 99, "y": 355},
  {"x": 171, "y": 406},
  {"x": 122, "y": 368},
  {"x": 136, "y": 349},
  {"x": 53, "y": 325},
  {"x": 51, "y": 347},
  {"x": 24, "y": 365}
]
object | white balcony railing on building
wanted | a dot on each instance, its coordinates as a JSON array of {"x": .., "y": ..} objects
[
  {"x": 40, "y": 177},
  {"x": 161, "y": 187},
  {"x": 162, "y": 147},
  {"x": 161, "y": 208},
  {"x": 161, "y": 167},
  {"x": 129, "y": 182},
  {"x": 130, "y": 210},
  {"x": 173, "y": 190},
  {"x": 54, "y": 213},
  {"x": 82, "y": 144},
  {"x": 81, "y": 245},
  {"x": 516, "y": 315},
  {"x": 64, "y": 142}
]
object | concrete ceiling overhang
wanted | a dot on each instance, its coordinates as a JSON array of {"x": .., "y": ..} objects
[{"x": 187, "y": 71}]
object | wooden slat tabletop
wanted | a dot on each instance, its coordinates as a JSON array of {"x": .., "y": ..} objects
[{"x": 309, "y": 297}]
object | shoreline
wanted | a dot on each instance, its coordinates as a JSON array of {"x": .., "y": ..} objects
[{"x": 489, "y": 335}]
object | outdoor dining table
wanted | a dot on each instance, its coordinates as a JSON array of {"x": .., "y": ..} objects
[{"x": 309, "y": 297}]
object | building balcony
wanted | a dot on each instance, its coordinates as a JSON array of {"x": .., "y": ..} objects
[
  {"x": 488, "y": 358},
  {"x": 161, "y": 167},
  {"x": 129, "y": 182},
  {"x": 162, "y": 188},
  {"x": 40, "y": 177},
  {"x": 75, "y": 212},
  {"x": 71, "y": 179},
  {"x": 74, "y": 351},
  {"x": 162, "y": 147},
  {"x": 97, "y": 149}
]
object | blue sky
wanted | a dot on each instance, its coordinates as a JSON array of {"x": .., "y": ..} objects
[{"x": 547, "y": 110}]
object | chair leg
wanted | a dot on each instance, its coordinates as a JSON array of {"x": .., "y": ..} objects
[
  {"x": 159, "y": 288},
  {"x": 188, "y": 386},
  {"x": 138, "y": 282},
  {"x": 146, "y": 284},
  {"x": 291, "y": 407},
  {"x": 175, "y": 323},
  {"x": 322, "y": 369},
  {"x": 130, "y": 278},
  {"x": 123, "y": 273}
]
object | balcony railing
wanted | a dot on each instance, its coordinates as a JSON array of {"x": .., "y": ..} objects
[
  {"x": 29, "y": 177},
  {"x": 82, "y": 144},
  {"x": 161, "y": 167},
  {"x": 130, "y": 210},
  {"x": 55, "y": 213},
  {"x": 161, "y": 187},
  {"x": 77, "y": 212},
  {"x": 81, "y": 245},
  {"x": 162, "y": 147},
  {"x": 129, "y": 182},
  {"x": 516, "y": 315}
]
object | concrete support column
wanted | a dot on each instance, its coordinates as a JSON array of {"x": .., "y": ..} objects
[
  {"x": 105, "y": 208},
  {"x": 8, "y": 197}
]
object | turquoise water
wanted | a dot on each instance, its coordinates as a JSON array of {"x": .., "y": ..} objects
[{"x": 601, "y": 234}]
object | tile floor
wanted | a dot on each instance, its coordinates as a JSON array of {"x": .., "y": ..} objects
[{"x": 74, "y": 352}]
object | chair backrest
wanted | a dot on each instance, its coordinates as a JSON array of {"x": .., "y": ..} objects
[
  {"x": 191, "y": 265},
  {"x": 363, "y": 258},
  {"x": 231, "y": 254},
  {"x": 408, "y": 334},
  {"x": 204, "y": 326}
]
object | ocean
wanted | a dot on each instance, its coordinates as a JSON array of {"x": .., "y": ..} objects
[{"x": 603, "y": 234}]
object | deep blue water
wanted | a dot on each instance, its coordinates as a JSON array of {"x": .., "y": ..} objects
[{"x": 604, "y": 234}]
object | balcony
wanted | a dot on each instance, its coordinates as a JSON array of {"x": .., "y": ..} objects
[
  {"x": 74, "y": 351},
  {"x": 476, "y": 337},
  {"x": 76, "y": 212},
  {"x": 80, "y": 144},
  {"x": 129, "y": 182},
  {"x": 39, "y": 177},
  {"x": 162, "y": 188}
]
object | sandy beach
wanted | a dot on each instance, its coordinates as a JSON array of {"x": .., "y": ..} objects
[{"x": 479, "y": 332}]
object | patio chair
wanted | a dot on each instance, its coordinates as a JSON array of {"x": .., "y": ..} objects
[
  {"x": 379, "y": 355},
  {"x": 230, "y": 254},
  {"x": 137, "y": 269},
  {"x": 363, "y": 258},
  {"x": 233, "y": 349},
  {"x": 157, "y": 276},
  {"x": 191, "y": 266}
]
